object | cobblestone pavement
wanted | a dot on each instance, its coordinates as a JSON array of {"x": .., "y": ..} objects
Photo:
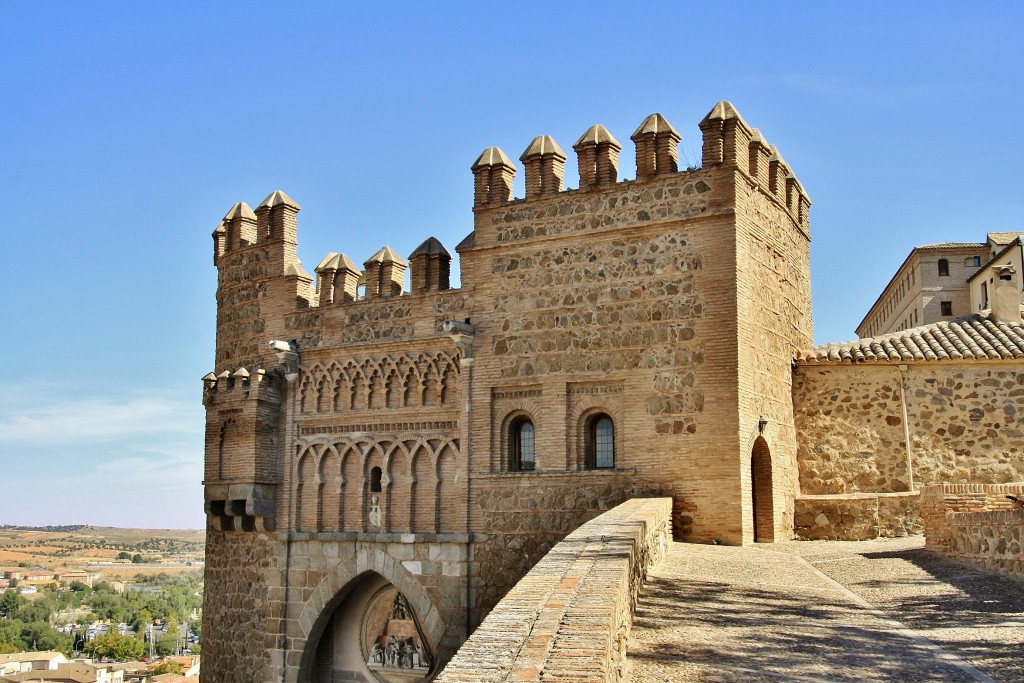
[{"x": 883, "y": 610}]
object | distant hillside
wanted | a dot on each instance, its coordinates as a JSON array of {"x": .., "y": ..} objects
[
  {"x": 65, "y": 527},
  {"x": 110, "y": 551}
]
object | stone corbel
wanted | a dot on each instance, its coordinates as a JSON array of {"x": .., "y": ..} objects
[
  {"x": 288, "y": 355},
  {"x": 462, "y": 335}
]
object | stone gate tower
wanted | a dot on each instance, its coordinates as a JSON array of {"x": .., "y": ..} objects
[{"x": 383, "y": 464}]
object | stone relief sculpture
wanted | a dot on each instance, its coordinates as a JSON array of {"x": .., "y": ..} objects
[
  {"x": 397, "y": 651},
  {"x": 376, "y": 517}
]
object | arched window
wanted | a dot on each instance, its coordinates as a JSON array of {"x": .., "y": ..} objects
[
  {"x": 375, "y": 483},
  {"x": 521, "y": 454},
  {"x": 943, "y": 267},
  {"x": 600, "y": 442}
]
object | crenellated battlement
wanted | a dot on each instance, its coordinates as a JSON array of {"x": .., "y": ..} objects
[
  {"x": 237, "y": 386},
  {"x": 728, "y": 142},
  {"x": 264, "y": 241},
  {"x": 272, "y": 221}
]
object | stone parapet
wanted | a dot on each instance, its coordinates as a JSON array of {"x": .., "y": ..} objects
[
  {"x": 857, "y": 516},
  {"x": 991, "y": 540},
  {"x": 940, "y": 501},
  {"x": 569, "y": 617}
]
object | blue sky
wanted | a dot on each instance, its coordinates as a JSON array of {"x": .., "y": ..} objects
[{"x": 131, "y": 128}]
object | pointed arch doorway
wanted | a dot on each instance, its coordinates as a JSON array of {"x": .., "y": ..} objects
[
  {"x": 369, "y": 633},
  {"x": 762, "y": 503}
]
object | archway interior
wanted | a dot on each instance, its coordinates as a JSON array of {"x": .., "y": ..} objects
[
  {"x": 372, "y": 636},
  {"x": 761, "y": 491}
]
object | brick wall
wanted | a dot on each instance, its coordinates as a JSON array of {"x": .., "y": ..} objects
[
  {"x": 938, "y": 501},
  {"x": 774, "y": 303},
  {"x": 569, "y": 618}
]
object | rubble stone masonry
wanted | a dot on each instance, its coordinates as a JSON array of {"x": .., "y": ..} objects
[
  {"x": 965, "y": 421},
  {"x": 976, "y": 523}
]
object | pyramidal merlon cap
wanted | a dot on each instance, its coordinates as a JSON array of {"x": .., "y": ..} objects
[
  {"x": 430, "y": 247},
  {"x": 653, "y": 125},
  {"x": 386, "y": 255},
  {"x": 492, "y": 156},
  {"x": 596, "y": 134},
  {"x": 278, "y": 198},
  {"x": 542, "y": 145},
  {"x": 240, "y": 210}
]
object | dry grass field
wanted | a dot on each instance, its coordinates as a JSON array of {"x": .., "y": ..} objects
[{"x": 96, "y": 549}]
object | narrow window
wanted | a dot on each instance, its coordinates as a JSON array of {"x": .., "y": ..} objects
[
  {"x": 375, "y": 476},
  {"x": 521, "y": 445},
  {"x": 943, "y": 267},
  {"x": 984, "y": 295},
  {"x": 947, "y": 307},
  {"x": 974, "y": 261},
  {"x": 601, "y": 442}
]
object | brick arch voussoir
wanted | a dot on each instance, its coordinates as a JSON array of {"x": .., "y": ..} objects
[
  {"x": 418, "y": 452},
  {"x": 447, "y": 447},
  {"x": 313, "y": 455},
  {"x": 327, "y": 448}
]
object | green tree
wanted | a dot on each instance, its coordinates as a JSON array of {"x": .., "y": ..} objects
[
  {"x": 10, "y": 601},
  {"x": 167, "y": 667},
  {"x": 116, "y": 647},
  {"x": 142, "y": 619},
  {"x": 167, "y": 644},
  {"x": 124, "y": 556},
  {"x": 39, "y": 635}
]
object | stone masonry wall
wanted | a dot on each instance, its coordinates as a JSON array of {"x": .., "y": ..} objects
[
  {"x": 239, "y": 611},
  {"x": 940, "y": 500},
  {"x": 965, "y": 420},
  {"x": 991, "y": 540},
  {"x": 966, "y": 423},
  {"x": 616, "y": 301},
  {"x": 569, "y": 618},
  {"x": 857, "y": 516}
]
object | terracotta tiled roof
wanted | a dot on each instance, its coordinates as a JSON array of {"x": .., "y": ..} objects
[
  {"x": 1003, "y": 237},
  {"x": 972, "y": 337},
  {"x": 952, "y": 245}
]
